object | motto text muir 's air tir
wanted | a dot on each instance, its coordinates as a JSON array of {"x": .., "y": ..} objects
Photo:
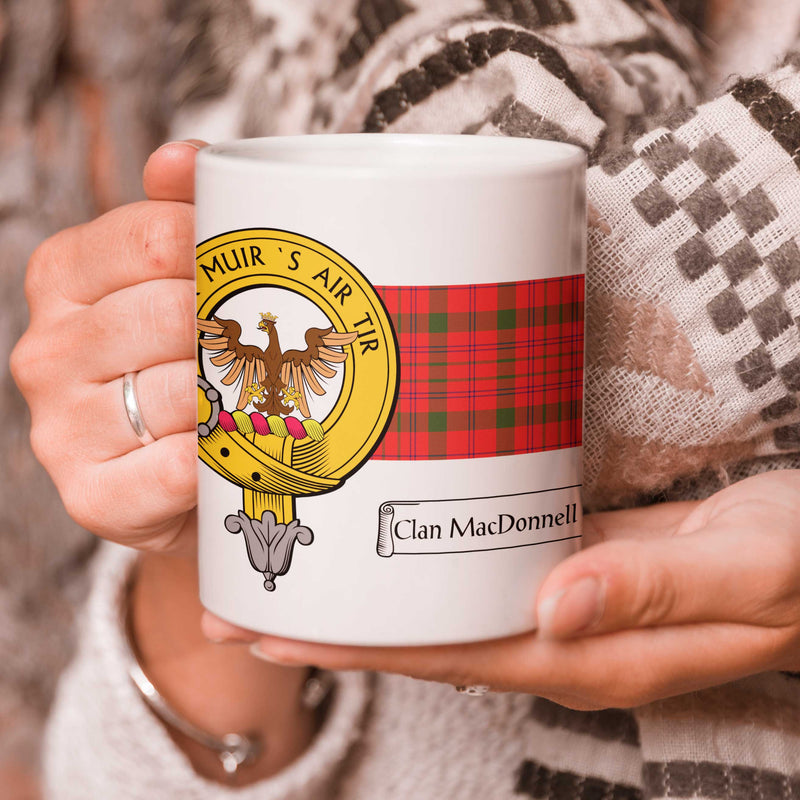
[{"x": 390, "y": 357}]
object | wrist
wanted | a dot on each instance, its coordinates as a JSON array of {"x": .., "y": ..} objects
[{"x": 217, "y": 688}]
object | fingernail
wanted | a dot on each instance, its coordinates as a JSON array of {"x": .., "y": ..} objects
[
  {"x": 226, "y": 639},
  {"x": 257, "y": 651},
  {"x": 575, "y": 609},
  {"x": 190, "y": 142}
]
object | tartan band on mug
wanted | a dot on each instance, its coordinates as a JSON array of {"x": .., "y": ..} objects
[{"x": 487, "y": 369}]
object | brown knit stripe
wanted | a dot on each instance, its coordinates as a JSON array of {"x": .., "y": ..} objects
[
  {"x": 734, "y": 705},
  {"x": 460, "y": 58},
  {"x": 513, "y": 118},
  {"x": 632, "y": 464},
  {"x": 538, "y": 781},
  {"x": 374, "y": 17},
  {"x": 713, "y": 781},
  {"x": 692, "y": 10},
  {"x": 773, "y": 112},
  {"x": 641, "y": 337},
  {"x": 653, "y": 44},
  {"x": 609, "y": 725},
  {"x": 532, "y": 13},
  {"x": 709, "y": 481}
]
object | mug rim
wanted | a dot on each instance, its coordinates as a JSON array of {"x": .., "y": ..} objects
[{"x": 396, "y": 154}]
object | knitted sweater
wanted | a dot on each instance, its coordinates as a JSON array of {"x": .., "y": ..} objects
[{"x": 692, "y": 381}]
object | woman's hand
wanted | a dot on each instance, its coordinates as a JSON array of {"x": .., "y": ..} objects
[
  {"x": 662, "y": 601},
  {"x": 109, "y": 297},
  {"x": 113, "y": 296}
]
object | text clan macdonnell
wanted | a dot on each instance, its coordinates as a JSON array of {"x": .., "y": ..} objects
[{"x": 455, "y": 528}]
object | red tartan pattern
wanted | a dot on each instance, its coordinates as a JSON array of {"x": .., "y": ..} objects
[{"x": 486, "y": 370}]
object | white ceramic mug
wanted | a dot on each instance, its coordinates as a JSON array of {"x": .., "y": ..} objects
[{"x": 390, "y": 339}]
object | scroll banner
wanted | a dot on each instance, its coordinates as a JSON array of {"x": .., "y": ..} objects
[{"x": 469, "y": 525}]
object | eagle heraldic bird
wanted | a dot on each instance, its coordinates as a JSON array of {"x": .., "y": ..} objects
[{"x": 267, "y": 375}]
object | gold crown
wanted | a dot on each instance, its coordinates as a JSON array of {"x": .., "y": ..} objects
[{"x": 268, "y": 316}]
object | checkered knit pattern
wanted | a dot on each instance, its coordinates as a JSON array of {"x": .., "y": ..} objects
[
  {"x": 691, "y": 373},
  {"x": 721, "y": 186},
  {"x": 486, "y": 370}
]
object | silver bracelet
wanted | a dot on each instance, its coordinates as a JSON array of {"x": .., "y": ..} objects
[{"x": 232, "y": 749}]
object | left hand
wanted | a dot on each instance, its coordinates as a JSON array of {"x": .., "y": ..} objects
[{"x": 661, "y": 601}]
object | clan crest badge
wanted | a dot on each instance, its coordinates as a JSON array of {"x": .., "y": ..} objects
[{"x": 297, "y": 379}]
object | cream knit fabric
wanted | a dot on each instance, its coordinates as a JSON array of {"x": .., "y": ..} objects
[{"x": 693, "y": 371}]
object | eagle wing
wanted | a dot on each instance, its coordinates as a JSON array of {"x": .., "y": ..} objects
[
  {"x": 244, "y": 362},
  {"x": 303, "y": 368}
]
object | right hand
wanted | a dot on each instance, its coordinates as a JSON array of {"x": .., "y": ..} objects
[{"x": 113, "y": 296}]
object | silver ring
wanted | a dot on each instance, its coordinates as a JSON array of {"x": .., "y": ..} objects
[
  {"x": 476, "y": 690},
  {"x": 133, "y": 411}
]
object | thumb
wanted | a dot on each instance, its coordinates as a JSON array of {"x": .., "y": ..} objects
[
  {"x": 169, "y": 172},
  {"x": 725, "y": 575}
]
